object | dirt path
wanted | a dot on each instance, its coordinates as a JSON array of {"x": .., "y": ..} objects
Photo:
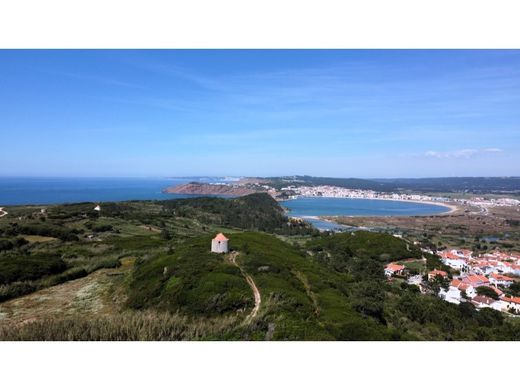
[
  {"x": 95, "y": 294},
  {"x": 3, "y": 213},
  {"x": 256, "y": 293}
]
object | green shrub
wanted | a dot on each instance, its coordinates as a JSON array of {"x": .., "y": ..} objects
[
  {"x": 22, "y": 267},
  {"x": 102, "y": 228},
  {"x": 16, "y": 289},
  {"x": 107, "y": 263},
  {"x": 488, "y": 292},
  {"x": 70, "y": 274}
]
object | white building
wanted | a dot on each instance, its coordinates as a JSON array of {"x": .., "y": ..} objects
[
  {"x": 510, "y": 303},
  {"x": 454, "y": 292},
  {"x": 481, "y": 301},
  {"x": 394, "y": 269},
  {"x": 220, "y": 244},
  {"x": 515, "y": 269},
  {"x": 453, "y": 260},
  {"x": 459, "y": 264},
  {"x": 500, "y": 280}
]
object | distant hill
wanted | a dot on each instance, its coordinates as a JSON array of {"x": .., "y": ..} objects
[
  {"x": 257, "y": 211},
  {"x": 254, "y": 212},
  {"x": 363, "y": 184},
  {"x": 477, "y": 185}
]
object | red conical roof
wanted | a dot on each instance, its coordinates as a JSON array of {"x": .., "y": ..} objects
[{"x": 221, "y": 237}]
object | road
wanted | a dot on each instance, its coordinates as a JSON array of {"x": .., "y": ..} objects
[
  {"x": 3, "y": 213},
  {"x": 256, "y": 292}
]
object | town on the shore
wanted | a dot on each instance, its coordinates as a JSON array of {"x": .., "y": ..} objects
[
  {"x": 295, "y": 191},
  {"x": 484, "y": 280},
  {"x": 326, "y": 191}
]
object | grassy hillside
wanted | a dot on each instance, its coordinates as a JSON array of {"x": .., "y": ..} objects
[
  {"x": 84, "y": 240},
  {"x": 313, "y": 286},
  {"x": 191, "y": 280},
  {"x": 304, "y": 300},
  {"x": 301, "y": 299}
]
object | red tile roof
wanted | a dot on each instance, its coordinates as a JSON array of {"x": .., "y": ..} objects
[
  {"x": 511, "y": 300},
  {"x": 449, "y": 255},
  {"x": 394, "y": 267},
  {"x": 483, "y": 299},
  {"x": 439, "y": 272},
  {"x": 475, "y": 279},
  {"x": 459, "y": 284},
  {"x": 501, "y": 277}
]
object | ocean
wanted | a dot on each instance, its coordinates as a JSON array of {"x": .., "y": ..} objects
[{"x": 38, "y": 190}]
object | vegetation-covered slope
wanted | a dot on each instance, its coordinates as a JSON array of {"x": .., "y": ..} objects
[
  {"x": 301, "y": 299},
  {"x": 313, "y": 286},
  {"x": 347, "y": 247},
  {"x": 191, "y": 280},
  {"x": 29, "y": 267}
]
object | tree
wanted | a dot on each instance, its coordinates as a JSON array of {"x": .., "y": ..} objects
[
  {"x": 437, "y": 283},
  {"x": 368, "y": 298},
  {"x": 466, "y": 309},
  {"x": 489, "y": 317},
  {"x": 515, "y": 288},
  {"x": 487, "y": 291}
]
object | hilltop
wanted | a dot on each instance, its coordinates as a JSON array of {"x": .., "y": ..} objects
[
  {"x": 475, "y": 185},
  {"x": 195, "y": 188}
]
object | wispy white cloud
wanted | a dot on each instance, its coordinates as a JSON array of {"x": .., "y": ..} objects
[
  {"x": 461, "y": 153},
  {"x": 112, "y": 81}
]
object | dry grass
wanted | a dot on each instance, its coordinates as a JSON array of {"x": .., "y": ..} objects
[
  {"x": 465, "y": 221},
  {"x": 33, "y": 239},
  {"x": 96, "y": 294},
  {"x": 129, "y": 326}
]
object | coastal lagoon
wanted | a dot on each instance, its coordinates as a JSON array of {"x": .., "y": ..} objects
[{"x": 320, "y": 206}]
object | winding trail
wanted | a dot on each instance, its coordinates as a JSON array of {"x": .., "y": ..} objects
[
  {"x": 256, "y": 292},
  {"x": 3, "y": 213}
]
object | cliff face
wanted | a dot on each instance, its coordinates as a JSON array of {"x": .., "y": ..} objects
[{"x": 209, "y": 189}]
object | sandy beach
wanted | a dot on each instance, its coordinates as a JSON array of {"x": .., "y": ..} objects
[{"x": 452, "y": 207}]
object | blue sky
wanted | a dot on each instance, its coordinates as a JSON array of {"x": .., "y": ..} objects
[{"x": 342, "y": 113}]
